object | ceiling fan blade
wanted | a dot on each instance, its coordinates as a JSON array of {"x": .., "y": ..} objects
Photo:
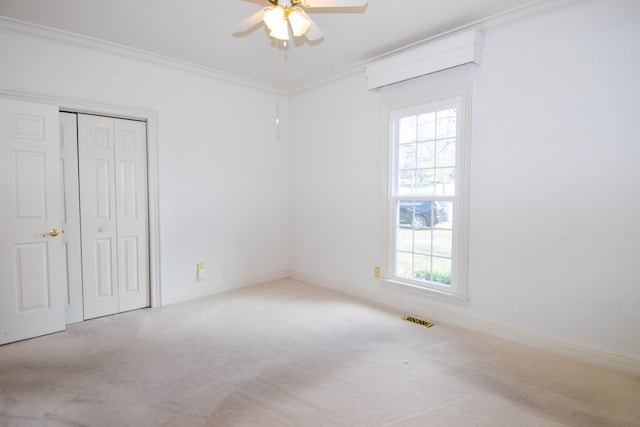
[
  {"x": 314, "y": 33},
  {"x": 334, "y": 3},
  {"x": 250, "y": 22}
]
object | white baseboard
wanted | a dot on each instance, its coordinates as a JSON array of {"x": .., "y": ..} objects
[
  {"x": 217, "y": 288},
  {"x": 620, "y": 362}
]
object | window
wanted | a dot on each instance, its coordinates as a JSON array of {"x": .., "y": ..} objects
[{"x": 427, "y": 236}]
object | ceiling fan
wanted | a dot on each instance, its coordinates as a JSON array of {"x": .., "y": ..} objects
[{"x": 290, "y": 13}]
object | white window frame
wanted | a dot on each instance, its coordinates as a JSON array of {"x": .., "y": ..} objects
[{"x": 458, "y": 289}]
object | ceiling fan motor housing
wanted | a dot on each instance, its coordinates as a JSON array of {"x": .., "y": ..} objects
[{"x": 286, "y": 3}]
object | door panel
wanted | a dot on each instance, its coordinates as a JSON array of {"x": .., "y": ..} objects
[
  {"x": 130, "y": 266},
  {"x": 104, "y": 266},
  {"x": 71, "y": 217},
  {"x": 98, "y": 215},
  {"x": 32, "y": 283},
  {"x": 29, "y": 194},
  {"x": 31, "y": 269},
  {"x": 131, "y": 196}
]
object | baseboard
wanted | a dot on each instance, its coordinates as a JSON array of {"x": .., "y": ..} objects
[
  {"x": 619, "y": 362},
  {"x": 217, "y": 288}
]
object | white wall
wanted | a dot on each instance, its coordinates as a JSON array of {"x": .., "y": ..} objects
[
  {"x": 223, "y": 175},
  {"x": 555, "y": 203}
]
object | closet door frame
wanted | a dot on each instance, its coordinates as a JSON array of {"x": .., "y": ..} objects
[{"x": 151, "y": 118}]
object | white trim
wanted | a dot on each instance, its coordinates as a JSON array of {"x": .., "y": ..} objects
[
  {"x": 464, "y": 189},
  {"x": 433, "y": 291},
  {"x": 335, "y": 76},
  {"x": 417, "y": 102},
  {"x": 48, "y": 33},
  {"x": 150, "y": 116},
  {"x": 217, "y": 288},
  {"x": 620, "y": 362},
  {"x": 447, "y": 52}
]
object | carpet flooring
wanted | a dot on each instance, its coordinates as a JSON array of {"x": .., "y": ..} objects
[{"x": 289, "y": 354}]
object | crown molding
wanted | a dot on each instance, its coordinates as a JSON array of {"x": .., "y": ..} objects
[
  {"x": 522, "y": 13},
  {"x": 327, "y": 79},
  {"x": 531, "y": 10},
  {"x": 78, "y": 40}
]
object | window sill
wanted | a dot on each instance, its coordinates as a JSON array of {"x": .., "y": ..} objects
[{"x": 438, "y": 294}]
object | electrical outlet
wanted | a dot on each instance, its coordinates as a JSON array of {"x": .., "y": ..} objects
[
  {"x": 376, "y": 272},
  {"x": 200, "y": 270}
]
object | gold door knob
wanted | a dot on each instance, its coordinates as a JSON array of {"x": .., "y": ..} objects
[{"x": 53, "y": 233}]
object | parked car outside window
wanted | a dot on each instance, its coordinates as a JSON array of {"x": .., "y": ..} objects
[{"x": 422, "y": 213}]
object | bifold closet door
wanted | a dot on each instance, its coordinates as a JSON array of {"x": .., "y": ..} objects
[
  {"x": 132, "y": 214},
  {"x": 113, "y": 205}
]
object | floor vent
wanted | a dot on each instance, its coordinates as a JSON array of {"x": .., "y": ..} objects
[{"x": 418, "y": 321}]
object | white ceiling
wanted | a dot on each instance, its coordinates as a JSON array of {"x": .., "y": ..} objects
[{"x": 201, "y": 31}]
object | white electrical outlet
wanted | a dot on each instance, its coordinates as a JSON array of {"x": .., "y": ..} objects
[{"x": 200, "y": 270}]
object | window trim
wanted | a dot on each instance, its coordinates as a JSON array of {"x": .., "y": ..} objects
[{"x": 459, "y": 290}]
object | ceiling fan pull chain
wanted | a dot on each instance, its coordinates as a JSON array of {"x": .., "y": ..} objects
[{"x": 277, "y": 72}]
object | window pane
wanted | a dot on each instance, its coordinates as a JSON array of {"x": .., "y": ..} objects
[
  {"x": 441, "y": 270},
  {"x": 426, "y": 154},
  {"x": 445, "y": 181},
  {"x": 423, "y": 274},
  {"x": 406, "y": 213},
  {"x": 442, "y": 242},
  {"x": 446, "y": 124},
  {"x": 415, "y": 240},
  {"x": 406, "y": 182},
  {"x": 404, "y": 264},
  {"x": 445, "y": 153},
  {"x": 421, "y": 267},
  {"x": 404, "y": 241},
  {"x": 445, "y": 215},
  {"x": 427, "y": 127},
  {"x": 407, "y": 129},
  {"x": 407, "y": 156},
  {"x": 422, "y": 241},
  {"x": 425, "y": 182}
]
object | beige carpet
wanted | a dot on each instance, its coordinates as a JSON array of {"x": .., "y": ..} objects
[{"x": 288, "y": 354}]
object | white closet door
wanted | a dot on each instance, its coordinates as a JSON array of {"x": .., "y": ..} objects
[
  {"x": 98, "y": 213},
  {"x": 31, "y": 274},
  {"x": 113, "y": 204},
  {"x": 71, "y": 217},
  {"x": 131, "y": 202}
]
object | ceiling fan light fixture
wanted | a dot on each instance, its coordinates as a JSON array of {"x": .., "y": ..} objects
[
  {"x": 280, "y": 35},
  {"x": 281, "y": 31},
  {"x": 299, "y": 24},
  {"x": 274, "y": 18},
  {"x": 292, "y": 13}
]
